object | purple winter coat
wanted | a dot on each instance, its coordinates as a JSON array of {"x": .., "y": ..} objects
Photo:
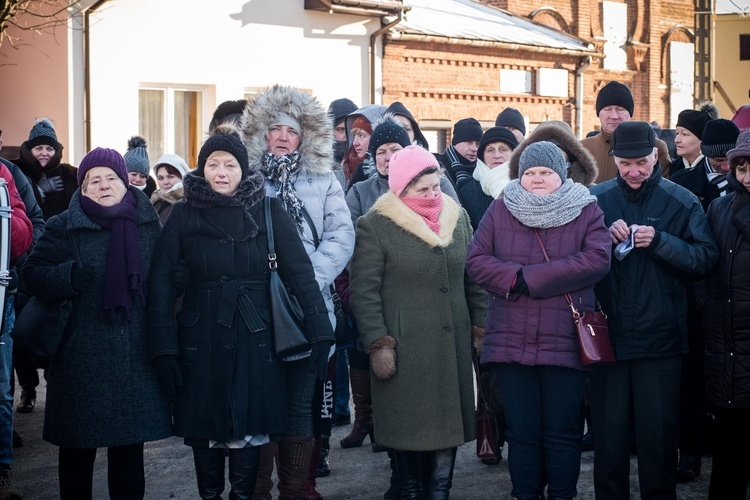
[{"x": 537, "y": 329}]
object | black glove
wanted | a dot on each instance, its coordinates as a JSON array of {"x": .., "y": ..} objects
[
  {"x": 51, "y": 185},
  {"x": 181, "y": 276},
  {"x": 520, "y": 286},
  {"x": 168, "y": 373},
  {"x": 81, "y": 277},
  {"x": 319, "y": 358}
]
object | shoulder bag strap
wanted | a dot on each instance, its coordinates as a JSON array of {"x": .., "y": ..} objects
[
  {"x": 546, "y": 258},
  {"x": 306, "y": 215},
  {"x": 269, "y": 234}
]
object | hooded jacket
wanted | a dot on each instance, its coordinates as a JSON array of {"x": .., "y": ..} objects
[
  {"x": 582, "y": 170},
  {"x": 371, "y": 113},
  {"x": 315, "y": 183},
  {"x": 397, "y": 108}
]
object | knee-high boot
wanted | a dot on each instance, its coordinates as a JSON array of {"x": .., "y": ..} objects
[
  {"x": 263, "y": 481},
  {"x": 410, "y": 474},
  {"x": 443, "y": 462},
  {"x": 360, "y": 380},
  {"x": 294, "y": 462},
  {"x": 394, "y": 491},
  {"x": 311, "y": 487},
  {"x": 209, "y": 471},
  {"x": 243, "y": 471}
]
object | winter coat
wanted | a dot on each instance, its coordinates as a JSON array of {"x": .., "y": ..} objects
[
  {"x": 26, "y": 192},
  {"x": 398, "y": 108},
  {"x": 598, "y": 146},
  {"x": 537, "y": 329},
  {"x": 472, "y": 197},
  {"x": 727, "y": 318},
  {"x": 233, "y": 383},
  {"x": 410, "y": 283},
  {"x": 52, "y": 203},
  {"x": 582, "y": 170},
  {"x": 645, "y": 295},
  {"x": 101, "y": 387},
  {"x": 163, "y": 202},
  {"x": 315, "y": 183},
  {"x": 695, "y": 180},
  {"x": 21, "y": 230}
]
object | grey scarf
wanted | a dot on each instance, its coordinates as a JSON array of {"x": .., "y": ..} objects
[{"x": 553, "y": 210}]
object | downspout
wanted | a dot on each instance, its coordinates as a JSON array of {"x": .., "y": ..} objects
[
  {"x": 373, "y": 40},
  {"x": 87, "y": 71},
  {"x": 585, "y": 63}
]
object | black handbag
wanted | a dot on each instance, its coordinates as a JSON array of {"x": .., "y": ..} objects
[
  {"x": 41, "y": 324},
  {"x": 287, "y": 319}
]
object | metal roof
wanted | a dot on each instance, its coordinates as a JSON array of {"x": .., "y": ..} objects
[{"x": 472, "y": 20}]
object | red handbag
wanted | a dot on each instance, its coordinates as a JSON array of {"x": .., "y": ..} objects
[{"x": 487, "y": 436}]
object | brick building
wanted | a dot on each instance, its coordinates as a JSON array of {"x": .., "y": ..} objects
[{"x": 459, "y": 65}]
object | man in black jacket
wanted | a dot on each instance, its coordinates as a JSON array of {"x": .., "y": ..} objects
[
  {"x": 461, "y": 155},
  {"x": 645, "y": 298}
]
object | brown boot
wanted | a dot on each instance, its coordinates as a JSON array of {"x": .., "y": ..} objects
[
  {"x": 294, "y": 463},
  {"x": 360, "y": 380},
  {"x": 311, "y": 487},
  {"x": 263, "y": 482}
]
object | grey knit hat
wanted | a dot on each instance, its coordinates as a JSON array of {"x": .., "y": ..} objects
[
  {"x": 136, "y": 157},
  {"x": 543, "y": 154},
  {"x": 42, "y": 133},
  {"x": 719, "y": 136}
]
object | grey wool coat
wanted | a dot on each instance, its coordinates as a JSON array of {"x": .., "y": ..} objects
[
  {"x": 411, "y": 284},
  {"x": 101, "y": 388}
]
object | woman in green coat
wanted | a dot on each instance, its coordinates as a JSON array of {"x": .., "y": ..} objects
[{"x": 417, "y": 312}]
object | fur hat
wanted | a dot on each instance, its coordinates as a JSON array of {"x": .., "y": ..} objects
[
  {"x": 406, "y": 164},
  {"x": 389, "y": 130},
  {"x": 511, "y": 117},
  {"x": 719, "y": 137},
  {"x": 632, "y": 139},
  {"x": 173, "y": 161},
  {"x": 227, "y": 111},
  {"x": 136, "y": 157},
  {"x": 339, "y": 108},
  {"x": 543, "y": 154},
  {"x": 43, "y": 132},
  {"x": 615, "y": 94},
  {"x": 741, "y": 149},
  {"x": 224, "y": 138},
  {"x": 467, "y": 130},
  {"x": 695, "y": 120},
  {"x": 103, "y": 157},
  {"x": 496, "y": 134}
]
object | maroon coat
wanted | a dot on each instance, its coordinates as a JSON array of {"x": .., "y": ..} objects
[{"x": 537, "y": 329}]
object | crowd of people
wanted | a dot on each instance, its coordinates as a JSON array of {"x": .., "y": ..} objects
[{"x": 430, "y": 262}]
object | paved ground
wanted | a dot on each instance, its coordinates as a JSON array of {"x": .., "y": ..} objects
[{"x": 357, "y": 473}]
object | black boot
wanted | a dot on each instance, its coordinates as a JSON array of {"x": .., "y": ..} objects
[
  {"x": 443, "y": 462},
  {"x": 243, "y": 470},
  {"x": 410, "y": 474},
  {"x": 324, "y": 465},
  {"x": 689, "y": 468},
  {"x": 209, "y": 471},
  {"x": 394, "y": 491}
]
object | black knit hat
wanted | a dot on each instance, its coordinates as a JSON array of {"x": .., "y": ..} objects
[
  {"x": 632, "y": 139},
  {"x": 42, "y": 132},
  {"x": 388, "y": 132},
  {"x": 496, "y": 134},
  {"x": 224, "y": 138},
  {"x": 511, "y": 117},
  {"x": 615, "y": 94},
  {"x": 467, "y": 130},
  {"x": 695, "y": 120},
  {"x": 719, "y": 137},
  {"x": 339, "y": 108}
]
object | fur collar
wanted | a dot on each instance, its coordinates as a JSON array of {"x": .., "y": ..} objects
[
  {"x": 583, "y": 170},
  {"x": 390, "y": 205},
  {"x": 170, "y": 197},
  {"x": 199, "y": 193},
  {"x": 316, "y": 146}
]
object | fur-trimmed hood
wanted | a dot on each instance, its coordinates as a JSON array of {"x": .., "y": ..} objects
[
  {"x": 316, "y": 136},
  {"x": 390, "y": 205},
  {"x": 583, "y": 167}
]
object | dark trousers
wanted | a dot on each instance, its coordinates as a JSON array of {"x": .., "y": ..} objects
[
  {"x": 730, "y": 471},
  {"x": 124, "y": 472},
  {"x": 542, "y": 407},
  {"x": 655, "y": 388},
  {"x": 26, "y": 365}
]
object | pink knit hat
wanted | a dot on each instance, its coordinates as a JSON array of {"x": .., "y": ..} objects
[{"x": 406, "y": 164}]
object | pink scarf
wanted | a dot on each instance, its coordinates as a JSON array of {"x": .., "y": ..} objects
[{"x": 428, "y": 208}]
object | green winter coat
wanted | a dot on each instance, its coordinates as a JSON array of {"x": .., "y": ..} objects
[{"x": 411, "y": 284}]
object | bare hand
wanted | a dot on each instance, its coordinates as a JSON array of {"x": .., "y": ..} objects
[
  {"x": 619, "y": 231},
  {"x": 644, "y": 236}
]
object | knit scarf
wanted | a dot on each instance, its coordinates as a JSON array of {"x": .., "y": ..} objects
[
  {"x": 281, "y": 171},
  {"x": 552, "y": 210},
  {"x": 492, "y": 180},
  {"x": 124, "y": 280},
  {"x": 428, "y": 208},
  {"x": 458, "y": 161}
]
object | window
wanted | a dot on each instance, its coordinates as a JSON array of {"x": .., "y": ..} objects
[
  {"x": 515, "y": 81},
  {"x": 171, "y": 120},
  {"x": 744, "y": 47},
  {"x": 615, "y": 26}
]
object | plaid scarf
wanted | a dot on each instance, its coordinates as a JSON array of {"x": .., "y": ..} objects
[{"x": 281, "y": 171}]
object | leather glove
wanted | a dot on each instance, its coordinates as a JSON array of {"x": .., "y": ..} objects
[
  {"x": 383, "y": 357},
  {"x": 520, "y": 285},
  {"x": 81, "y": 277},
  {"x": 477, "y": 337},
  {"x": 319, "y": 358},
  {"x": 181, "y": 276},
  {"x": 51, "y": 185},
  {"x": 168, "y": 374}
]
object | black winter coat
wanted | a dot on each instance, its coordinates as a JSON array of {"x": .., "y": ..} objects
[
  {"x": 233, "y": 383},
  {"x": 727, "y": 318},
  {"x": 52, "y": 203},
  {"x": 645, "y": 294}
]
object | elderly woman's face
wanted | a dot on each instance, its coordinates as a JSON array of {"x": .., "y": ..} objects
[
  {"x": 383, "y": 156},
  {"x": 496, "y": 153},
  {"x": 223, "y": 172},
  {"x": 282, "y": 140},
  {"x": 103, "y": 186},
  {"x": 540, "y": 181},
  {"x": 427, "y": 186}
]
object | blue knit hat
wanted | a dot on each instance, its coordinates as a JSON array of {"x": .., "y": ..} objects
[
  {"x": 543, "y": 154},
  {"x": 136, "y": 157},
  {"x": 103, "y": 157},
  {"x": 43, "y": 132}
]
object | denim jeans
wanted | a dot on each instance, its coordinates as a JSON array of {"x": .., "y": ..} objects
[
  {"x": 6, "y": 399},
  {"x": 341, "y": 394}
]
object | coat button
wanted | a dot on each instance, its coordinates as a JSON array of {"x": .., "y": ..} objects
[
  {"x": 444, "y": 289},
  {"x": 448, "y": 328},
  {"x": 439, "y": 251},
  {"x": 228, "y": 346}
]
